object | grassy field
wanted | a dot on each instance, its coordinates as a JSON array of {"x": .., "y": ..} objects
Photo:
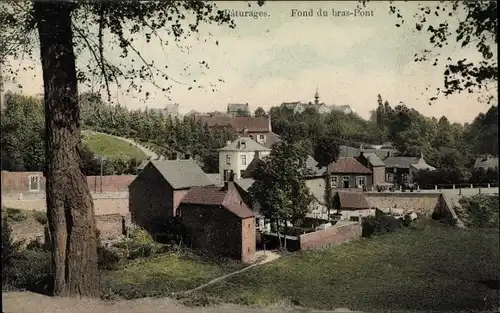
[
  {"x": 111, "y": 147},
  {"x": 427, "y": 267},
  {"x": 163, "y": 274}
]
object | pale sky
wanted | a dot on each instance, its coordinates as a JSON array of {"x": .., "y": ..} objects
[{"x": 277, "y": 58}]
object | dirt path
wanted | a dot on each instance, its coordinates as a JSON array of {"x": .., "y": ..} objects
[
  {"x": 146, "y": 151},
  {"x": 27, "y": 302},
  {"x": 269, "y": 256}
]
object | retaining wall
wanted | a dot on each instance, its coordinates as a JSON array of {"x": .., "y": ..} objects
[{"x": 421, "y": 203}]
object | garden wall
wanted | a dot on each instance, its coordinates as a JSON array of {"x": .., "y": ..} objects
[
  {"x": 104, "y": 203},
  {"x": 110, "y": 226},
  {"x": 331, "y": 236}
]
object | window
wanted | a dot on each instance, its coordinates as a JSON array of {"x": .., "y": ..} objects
[
  {"x": 345, "y": 180},
  {"x": 243, "y": 145},
  {"x": 34, "y": 183},
  {"x": 334, "y": 181},
  {"x": 354, "y": 218},
  {"x": 360, "y": 181},
  {"x": 262, "y": 138},
  {"x": 251, "y": 136},
  {"x": 243, "y": 159},
  {"x": 228, "y": 160},
  {"x": 389, "y": 177}
]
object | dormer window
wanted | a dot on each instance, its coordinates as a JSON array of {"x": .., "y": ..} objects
[{"x": 243, "y": 145}]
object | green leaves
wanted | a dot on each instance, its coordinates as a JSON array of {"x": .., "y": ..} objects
[{"x": 279, "y": 185}]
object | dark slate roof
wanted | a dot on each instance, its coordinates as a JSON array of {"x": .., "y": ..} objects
[
  {"x": 347, "y": 165},
  {"x": 217, "y": 196},
  {"x": 353, "y": 200},
  {"x": 311, "y": 164},
  {"x": 373, "y": 159},
  {"x": 400, "y": 162},
  {"x": 182, "y": 174},
  {"x": 246, "y": 144},
  {"x": 346, "y": 151},
  {"x": 486, "y": 162}
]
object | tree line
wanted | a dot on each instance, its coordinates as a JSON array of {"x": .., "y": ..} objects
[{"x": 450, "y": 147}]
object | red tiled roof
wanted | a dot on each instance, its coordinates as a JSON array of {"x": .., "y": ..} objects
[
  {"x": 239, "y": 123},
  {"x": 215, "y": 195},
  {"x": 209, "y": 195},
  {"x": 353, "y": 200},
  {"x": 347, "y": 165}
]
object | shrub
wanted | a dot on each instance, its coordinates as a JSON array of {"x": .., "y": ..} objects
[
  {"x": 16, "y": 215},
  {"x": 383, "y": 224},
  {"x": 27, "y": 269},
  {"x": 40, "y": 217},
  {"x": 480, "y": 211},
  {"x": 108, "y": 259}
]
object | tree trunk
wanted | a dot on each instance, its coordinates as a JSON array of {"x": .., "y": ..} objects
[{"x": 70, "y": 209}]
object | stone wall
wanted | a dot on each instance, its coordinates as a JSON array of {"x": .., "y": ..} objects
[
  {"x": 421, "y": 203},
  {"x": 105, "y": 203},
  {"x": 330, "y": 236},
  {"x": 110, "y": 226}
]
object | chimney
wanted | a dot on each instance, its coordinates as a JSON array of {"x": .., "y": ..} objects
[
  {"x": 245, "y": 130},
  {"x": 269, "y": 121},
  {"x": 228, "y": 143}
]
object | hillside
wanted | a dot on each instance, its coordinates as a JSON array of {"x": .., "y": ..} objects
[{"x": 110, "y": 146}]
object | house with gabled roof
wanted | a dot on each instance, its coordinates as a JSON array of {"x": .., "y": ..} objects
[
  {"x": 235, "y": 157},
  {"x": 219, "y": 221},
  {"x": 156, "y": 192},
  {"x": 347, "y": 172},
  {"x": 256, "y": 127},
  {"x": 400, "y": 169},
  {"x": 375, "y": 164}
]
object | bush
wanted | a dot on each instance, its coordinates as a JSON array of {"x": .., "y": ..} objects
[
  {"x": 384, "y": 224},
  {"x": 108, "y": 259},
  {"x": 40, "y": 217},
  {"x": 16, "y": 215},
  {"x": 479, "y": 211},
  {"x": 27, "y": 269}
]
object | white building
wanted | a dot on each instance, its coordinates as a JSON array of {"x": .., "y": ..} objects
[{"x": 235, "y": 156}]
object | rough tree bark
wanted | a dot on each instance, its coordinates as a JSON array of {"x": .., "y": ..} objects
[{"x": 70, "y": 209}]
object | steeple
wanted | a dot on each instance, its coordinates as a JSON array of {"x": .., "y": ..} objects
[{"x": 316, "y": 96}]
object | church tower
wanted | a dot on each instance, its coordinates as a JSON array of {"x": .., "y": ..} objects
[{"x": 316, "y": 96}]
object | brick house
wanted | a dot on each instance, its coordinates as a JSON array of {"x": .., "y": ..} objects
[
  {"x": 257, "y": 128},
  {"x": 219, "y": 221},
  {"x": 371, "y": 161},
  {"x": 159, "y": 188},
  {"x": 347, "y": 172},
  {"x": 353, "y": 205}
]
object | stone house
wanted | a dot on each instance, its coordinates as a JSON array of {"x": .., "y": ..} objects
[
  {"x": 238, "y": 109},
  {"x": 258, "y": 128},
  {"x": 375, "y": 164},
  {"x": 401, "y": 169},
  {"x": 157, "y": 191},
  {"x": 347, "y": 172},
  {"x": 219, "y": 221},
  {"x": 235, "y": 157}
]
